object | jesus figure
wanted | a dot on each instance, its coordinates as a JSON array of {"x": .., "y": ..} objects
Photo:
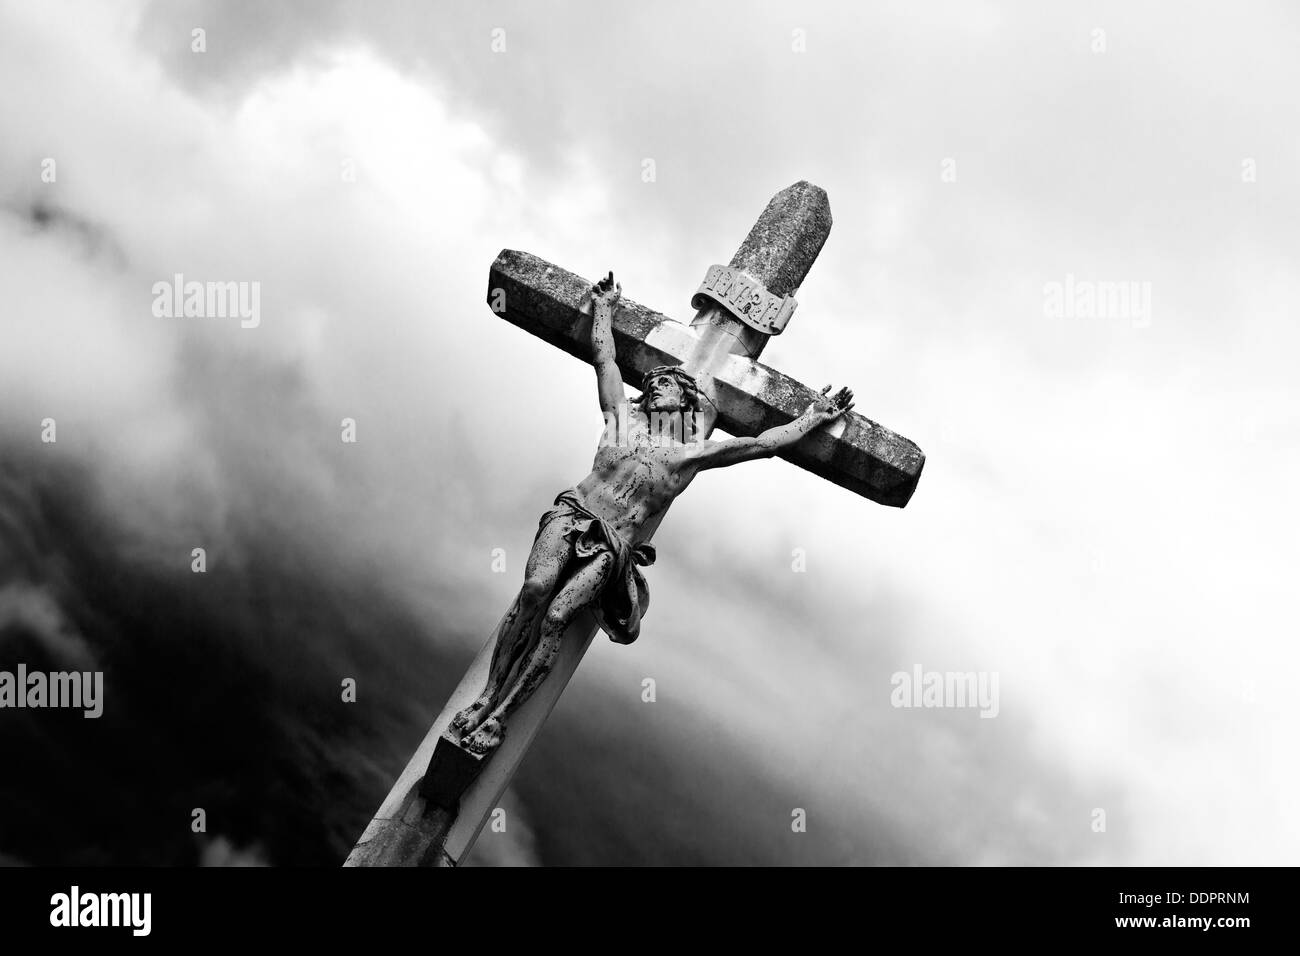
[{"x": 589, "y": 547}]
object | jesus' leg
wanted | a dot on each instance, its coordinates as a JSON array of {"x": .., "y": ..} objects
[
  {"x": 546, "y": 562},
  {"x": 582, "y": 589}
]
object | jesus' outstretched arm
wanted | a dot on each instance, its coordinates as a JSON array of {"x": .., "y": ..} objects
[
  {"x": 609, "y": 382},
  {"x": 823, "y": 411}
]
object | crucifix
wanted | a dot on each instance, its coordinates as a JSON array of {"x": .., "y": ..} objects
[{"x": 583, "y": 573}]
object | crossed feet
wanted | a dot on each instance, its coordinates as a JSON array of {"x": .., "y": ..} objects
[{"x": 480, "y": 734}]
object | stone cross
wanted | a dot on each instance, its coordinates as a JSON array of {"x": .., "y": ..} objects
[{"x": 437, "y": 807}]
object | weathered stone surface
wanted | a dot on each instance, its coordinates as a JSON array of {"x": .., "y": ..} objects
[
  {"x": 415, "y": 838},
  {"x": 546, "y": 300},
  {"x": 783, "y": 244},
  {"x": 860, "y": 455},
  {"x": 778, "y": 252}
]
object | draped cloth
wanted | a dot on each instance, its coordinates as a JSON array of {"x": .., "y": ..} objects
[{"x": 624, "y": 596}]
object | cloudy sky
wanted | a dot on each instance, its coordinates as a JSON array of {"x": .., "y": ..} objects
[{"x": 1105, "y": 519}]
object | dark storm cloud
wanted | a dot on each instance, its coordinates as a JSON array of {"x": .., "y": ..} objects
[
  {"x": 89, "y": 238},
  {"x": 223, "y": 690}
]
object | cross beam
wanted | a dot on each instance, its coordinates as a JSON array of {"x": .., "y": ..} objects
[
  {"x": 436, "y": 808},
  {"x": 855, "y": 453}
]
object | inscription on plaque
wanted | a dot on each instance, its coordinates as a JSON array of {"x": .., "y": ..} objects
[{"x": 745, "y": 298}]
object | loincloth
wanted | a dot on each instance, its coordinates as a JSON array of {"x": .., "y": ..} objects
[{"x": 624, "y": 596}]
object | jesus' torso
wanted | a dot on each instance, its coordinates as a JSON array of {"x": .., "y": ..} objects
[{"x": 635, "y": 476}]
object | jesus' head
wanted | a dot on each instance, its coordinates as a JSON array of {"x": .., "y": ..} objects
[{"x": 668, "y": 388}]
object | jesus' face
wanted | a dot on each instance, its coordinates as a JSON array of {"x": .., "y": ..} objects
[{"x": 664, "y": 394}]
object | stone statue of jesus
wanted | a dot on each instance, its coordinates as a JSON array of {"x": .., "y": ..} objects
[{"x": 589, "y": 547}]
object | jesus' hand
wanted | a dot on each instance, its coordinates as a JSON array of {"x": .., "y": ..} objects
[
  {"x": 606, "y": 292},
  {"x": 826, "y": 408}
]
